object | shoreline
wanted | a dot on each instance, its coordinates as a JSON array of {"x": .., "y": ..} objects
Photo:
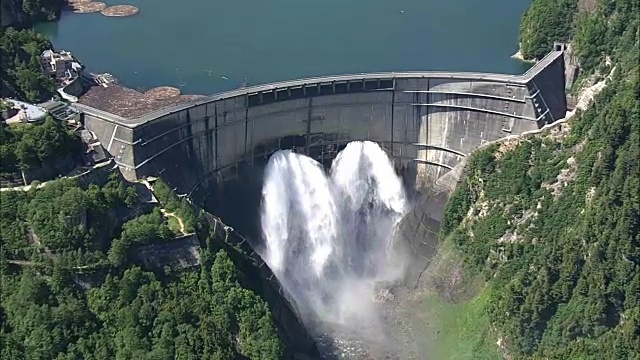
[
  {"x": 518, "y": 56},
  {"x": 169, "y": 94}
]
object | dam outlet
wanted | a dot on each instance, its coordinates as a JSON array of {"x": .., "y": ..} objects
[{"x": 328, "y": 236}]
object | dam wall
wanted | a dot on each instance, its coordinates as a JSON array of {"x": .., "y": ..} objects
[{"x": 427, "y": 122}]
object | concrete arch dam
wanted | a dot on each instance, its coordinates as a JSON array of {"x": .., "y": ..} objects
[{"x": 428, "y": 122}]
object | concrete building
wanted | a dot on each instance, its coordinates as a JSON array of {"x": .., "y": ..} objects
[
  {"x": 23, "y": 112},
  {"x": 61, "y": 66},
  {"x": 66, "y": 71},
  {"x": 94, "y": 151},
  {"x": 61, "y": 111}
]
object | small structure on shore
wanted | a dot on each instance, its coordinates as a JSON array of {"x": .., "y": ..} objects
[
  {"x": 103, "y": 79},
  {"x": 22, "y": 112},
  {"x": 120, "y": 10}
]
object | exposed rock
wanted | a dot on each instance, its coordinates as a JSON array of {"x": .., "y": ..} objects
[
  {"x": 300, "y": 343},
  {"x": 588, "y": 6},
  {"x": 565, "y": 176},
  {"x": 179, "y": 253},
  {"x": 85, "y": 7},
  {"x": 384, "y": 295}
]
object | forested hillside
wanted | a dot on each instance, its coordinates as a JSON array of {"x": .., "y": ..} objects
[
  {"x": 22, "y": 13},
  {"x": 552, "y": 222},
  {"x": 29, "y": 146},
  {"x": 20, "y": 65},
  {"x": 86, "y": 236},
  {"x": 543, "y": 23},
  {"x": 597, "y": 28}
]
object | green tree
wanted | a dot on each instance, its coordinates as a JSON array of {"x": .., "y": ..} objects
[{"x": 543, "y": 23}]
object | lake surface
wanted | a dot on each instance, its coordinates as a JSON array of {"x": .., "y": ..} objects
[{"x": 208, "y": 46}]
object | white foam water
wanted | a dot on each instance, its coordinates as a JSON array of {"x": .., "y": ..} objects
[{"x": 329, "y": 236}]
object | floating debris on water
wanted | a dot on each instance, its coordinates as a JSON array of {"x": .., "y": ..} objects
[
  {"x": 162, "y": 92},
  {"x": 120, "y": 10}
]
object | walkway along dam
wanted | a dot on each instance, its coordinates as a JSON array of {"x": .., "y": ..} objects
[{"x": 213, "y": 148}]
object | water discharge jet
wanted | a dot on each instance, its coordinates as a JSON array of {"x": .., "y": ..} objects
[{"x": 329, "y": 237}]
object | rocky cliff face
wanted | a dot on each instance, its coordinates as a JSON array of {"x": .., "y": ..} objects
[
  {"x": 299, "y": 343},
  {"x": 12, "y": 14},
  {"x": 25, "y": 13}
]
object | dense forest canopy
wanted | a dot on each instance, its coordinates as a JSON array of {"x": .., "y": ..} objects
[
  {"x": 27, "y": 12},
  {"x": 21, "y": 73},
  {"x": 553, "y": 224},
  {"x": 29, "y": 146},
  {"x": 133, "y": 313},
  {"x": 202, "y": 314}
]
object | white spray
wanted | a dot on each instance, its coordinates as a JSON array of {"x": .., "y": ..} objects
[{"x": 328, "y": 238}]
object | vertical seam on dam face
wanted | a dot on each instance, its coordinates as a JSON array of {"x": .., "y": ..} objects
[
  {"x": 310, "y": 109},
  {"x": 246, "y": 123},
  {"x": 215, "y": 117},
  {"x": 113, "y": 135},
  {"x": 210, "y": 134},
  {"x": 426, "y": 118},
  {"x": 393, "y": 108},
  {"x": 417, "y": 113},
  {"x": 190, "y": 146}
]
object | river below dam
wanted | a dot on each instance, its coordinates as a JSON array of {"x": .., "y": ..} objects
[{"x": 204, "y": 46}]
